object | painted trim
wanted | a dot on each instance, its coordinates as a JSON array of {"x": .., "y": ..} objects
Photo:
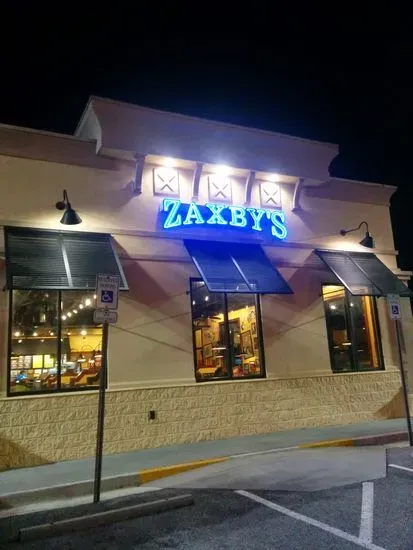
[{"x": 165, "y": 235}]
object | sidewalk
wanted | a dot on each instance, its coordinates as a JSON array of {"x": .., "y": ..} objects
[{"x": 129, "y": 466}]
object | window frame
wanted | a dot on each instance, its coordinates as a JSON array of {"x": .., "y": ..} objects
[
  {"x": 58, "y": 388},
  {"x": 354, "y": 362},
  {"x": 260, "y": 335}
]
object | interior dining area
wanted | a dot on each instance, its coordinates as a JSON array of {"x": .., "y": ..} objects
[
  {"x": 54, "y": 341},
  {"x": 226, "y": 334}
]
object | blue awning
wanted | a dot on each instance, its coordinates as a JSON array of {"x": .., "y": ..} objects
[
  {"x": 363, "y": 274},
  {"x": 229, "y": 267}
]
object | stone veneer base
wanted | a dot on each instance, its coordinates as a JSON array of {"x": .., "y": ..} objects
[{"x": 42, "y": 429}]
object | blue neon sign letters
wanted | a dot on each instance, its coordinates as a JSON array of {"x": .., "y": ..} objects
[{"x": 177, "y": 214}]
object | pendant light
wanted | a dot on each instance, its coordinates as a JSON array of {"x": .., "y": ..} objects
[
  {"x": 70, "y": 216},
  {"x": 367, "y": 240}
]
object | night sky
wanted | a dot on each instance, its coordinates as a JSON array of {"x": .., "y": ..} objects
[{"x": 342, "y": 77}]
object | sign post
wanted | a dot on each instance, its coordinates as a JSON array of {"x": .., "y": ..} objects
[
  {"x": 393, "y": 302},
  {"x": 107, "y": 290}
]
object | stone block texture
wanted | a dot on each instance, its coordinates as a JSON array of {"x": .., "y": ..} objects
[{"x": 43, "y": 429}]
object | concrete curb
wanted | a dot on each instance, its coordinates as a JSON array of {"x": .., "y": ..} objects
[
  {"x": 67, "y": 490},
  {"x": 146, "y": 476},
  {"x": 103, "y": 518},
  {"x": 381, "y": 439},
  {"x": 82, "y": 488}
]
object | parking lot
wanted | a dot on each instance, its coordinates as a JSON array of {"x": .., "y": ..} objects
[{"x": 374, "y": 514}]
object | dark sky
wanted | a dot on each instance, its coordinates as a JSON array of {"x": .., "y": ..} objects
[{"x": 342, "y": 77}]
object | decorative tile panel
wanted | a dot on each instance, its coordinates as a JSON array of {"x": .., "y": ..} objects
[
  {"x": 166, "y": 181},
  {"x": 270, "y": 194},
  {"x": 219, "y": 188}
]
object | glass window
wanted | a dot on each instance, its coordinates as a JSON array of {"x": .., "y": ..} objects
[
  {"x": 54, "y": 343},
  {"x": 81, "y": 341},
  {"x": 33, "y": 344},
  {"x": 226, "y": 334},
  {"x": 352, "y": 330}
]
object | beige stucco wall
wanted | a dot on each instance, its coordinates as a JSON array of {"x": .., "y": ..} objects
[
  {"x": 123, "y": 128},
  {"x": 152, "y": 342},
  {"x": 104, "y": 199},
  {"x": 150, "y": 348},
  {"x": 154, "y": 328}
]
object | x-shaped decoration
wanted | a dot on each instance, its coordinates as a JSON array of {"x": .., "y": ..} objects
[
  {"x": 270, "y": 194},
  {"x": 219, "y": 188},
  {"x": 165, "y": 181}
]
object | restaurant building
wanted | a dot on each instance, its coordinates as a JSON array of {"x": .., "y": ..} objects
[{"x": 242, "y": 310}]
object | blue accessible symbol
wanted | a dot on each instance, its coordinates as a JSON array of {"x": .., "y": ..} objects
[{"x": 107, "y": 296}]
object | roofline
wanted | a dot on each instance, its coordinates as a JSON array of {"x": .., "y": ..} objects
[
  {"x": 83, "y": 115},
  {"x": 370, "y": 183},
  {"x": 43, "y": 132},
  {"x": 199, "y": 119}
]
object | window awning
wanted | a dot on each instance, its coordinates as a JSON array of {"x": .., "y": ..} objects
[
  {"x": 61, "y": 260},
  {"x": 363, "y": 274},
  {"x": 228, "y": 267}
]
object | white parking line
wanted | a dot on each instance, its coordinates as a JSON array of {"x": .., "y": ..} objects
[
  {"x": 401, "y": 467},
  {"x": 367, "y": 512},
  {"x": 305, "y": 519}
]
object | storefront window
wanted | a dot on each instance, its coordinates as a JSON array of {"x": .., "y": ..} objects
[
  {"x": 81, "y": 352},
  {"x": 34, "y": 337},
  {"x": 54, "y": 344},
  {"x": 226, "y": 334},
  {"x": 352, "y": 329}
]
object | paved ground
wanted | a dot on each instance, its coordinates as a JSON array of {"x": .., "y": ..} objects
[
  {"x": 298, "y": 470},
  {"x": 374, "y": 513},
  {"x": 129, "y": 463}
]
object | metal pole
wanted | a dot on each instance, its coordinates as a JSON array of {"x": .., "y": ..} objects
[
  {"x": 101, "y": 414},
  {"x": 404, "y": 385}
]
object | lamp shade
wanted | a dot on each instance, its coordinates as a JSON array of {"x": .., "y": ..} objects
[
  {"x": 367, "y": 241},
  {"x": 70, "y": 217}
]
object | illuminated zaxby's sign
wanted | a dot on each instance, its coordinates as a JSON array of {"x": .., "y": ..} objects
[{"x": 177, "y": 214}]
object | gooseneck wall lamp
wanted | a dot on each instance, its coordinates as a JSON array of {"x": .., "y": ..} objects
[
  {"x": 367, "y": 240},
  {"x": 70, "y": 216}
]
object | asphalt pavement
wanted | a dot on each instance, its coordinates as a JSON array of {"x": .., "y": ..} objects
[{"x": 374, "y": 512}]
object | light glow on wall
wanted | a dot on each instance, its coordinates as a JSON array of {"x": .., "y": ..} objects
[
  {"x": 169, "y": 162},
  {"x": 222, "y": 170}
]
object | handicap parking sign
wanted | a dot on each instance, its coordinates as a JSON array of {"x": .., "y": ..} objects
[
  {"x": 107, "y": 290},
  {"x": 107, "y": 296},
  {"x": 394, "y": 306}
]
